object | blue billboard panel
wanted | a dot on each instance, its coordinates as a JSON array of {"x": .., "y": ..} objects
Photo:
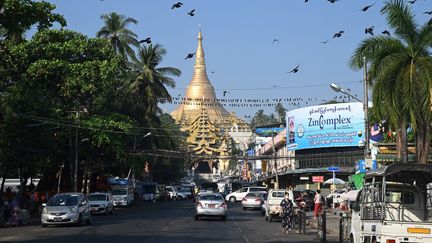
[
  {"x": 268, "y": 131},
  {"x": 332, "y": 125}
]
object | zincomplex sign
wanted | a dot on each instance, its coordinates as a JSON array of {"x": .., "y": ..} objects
[{"x": 333, "y": 125}]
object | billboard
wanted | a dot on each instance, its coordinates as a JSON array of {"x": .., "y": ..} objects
[
  {"x": 332, "y": 125},
  {"x": 268, "y": 131}
]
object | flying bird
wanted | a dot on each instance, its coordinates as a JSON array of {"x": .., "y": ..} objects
[
  {"x": 146, "y": 40},
  {"x": 306, "y": 1},
  {"x": 190, "y": 55},
  {"x": 428, "y": 12},
  {"x": 386, "y": 32},
  {"x": 332, "y": 1},
  {"x": 325, "y": 42},
  {"x": 275, "y": 40},
  {"x": 192, "y": 12},
  {"x": 294, "y": 70},
  {"x": 367, "y": 7},
  {"x": 176, "y": 5},
  {"x": 412, "y": 2},
  {"x": 338, "y": 34},
  {"x": 225, "y": 92},
  {"x": 369, "y": 30}
]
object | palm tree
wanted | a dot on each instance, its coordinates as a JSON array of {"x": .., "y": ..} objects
[
  {"x": 150, "y": 80},
  {"x": 121, "y": 38},
  {"x": 400, "y": 75}
]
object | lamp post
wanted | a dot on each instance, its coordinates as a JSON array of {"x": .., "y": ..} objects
[
  {"x": 275, "y": 163},
  {"x": 336, "y": 88}
]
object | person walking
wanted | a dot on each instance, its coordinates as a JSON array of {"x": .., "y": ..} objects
[
  {"x": 287, "y": 214},
  {"x": 318, "y": 204}
]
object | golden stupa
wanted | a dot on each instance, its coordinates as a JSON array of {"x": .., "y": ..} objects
[{"x": 209, "y": 125}]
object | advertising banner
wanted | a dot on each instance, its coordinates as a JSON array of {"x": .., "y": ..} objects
[
  {"x": 268, "y": 131},
  {"x": 332, "y": 125},
  {"x": 318, "y": 179}
]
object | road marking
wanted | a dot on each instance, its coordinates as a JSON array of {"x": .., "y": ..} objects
[{"x": 245, "y": 239}]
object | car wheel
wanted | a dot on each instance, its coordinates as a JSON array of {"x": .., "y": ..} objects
[
  {"x": 351, "y": 240},
  {"x": 89, "y": 221},
  {"x": 262, "y": 213},
  {"x": 223, "y": 218},
  {"x": 232, "y": 199},
  {"x": 266, "y": 218},
  {"x": 270, "y": 218},
  {"x": 196, "y": 217},
  {"x": 106, "y": 210},
  {"x": 44, "y": 225},
  {"x": 112, "y": 211},
  {"x": 79, "y": 220},
  {"x": 244, "y": 209}
]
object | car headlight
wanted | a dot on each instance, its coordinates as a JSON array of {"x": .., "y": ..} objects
[
  {"x": 45, "y": 210},
  {"x": 73, "y": 210}
]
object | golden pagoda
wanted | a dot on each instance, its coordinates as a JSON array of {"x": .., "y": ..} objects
[{"x": 208, "y": 123}]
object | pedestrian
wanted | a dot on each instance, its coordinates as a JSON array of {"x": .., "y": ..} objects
[
  {"x": 287, "y": 214},
  {"x": 318, "y": 203}
]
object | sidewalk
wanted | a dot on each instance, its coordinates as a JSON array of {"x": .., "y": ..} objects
[{"x": 332, "y": 223}]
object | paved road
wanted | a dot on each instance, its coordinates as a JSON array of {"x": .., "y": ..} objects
[{"x": 160, "y": 222}]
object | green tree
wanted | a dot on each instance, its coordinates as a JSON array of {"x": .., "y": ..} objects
[
  {"x": 20, "y": 15},
  {"x": 116, "y": 32},
  {"x": 261, "y": 119},
  {"x": 401, "y": 74},
  {"x": 53, "y": 75},
  {"x": 281, "y": 112},
  {"x": 150, "y": 80}
]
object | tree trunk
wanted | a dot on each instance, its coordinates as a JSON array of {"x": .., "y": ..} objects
[
  {"x": 422, "y": 143},
  {"x": 401, "y": 142}
]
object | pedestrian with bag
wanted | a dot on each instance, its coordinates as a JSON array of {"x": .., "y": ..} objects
[{"x": 287, "y": 214}]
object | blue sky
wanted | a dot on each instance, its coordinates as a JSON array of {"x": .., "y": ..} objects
[{"x": 238, "y": 42}]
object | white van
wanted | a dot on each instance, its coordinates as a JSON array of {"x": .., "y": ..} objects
[
  {"x": 394, "y": 205},
  {"x": 241, "y": 193}
]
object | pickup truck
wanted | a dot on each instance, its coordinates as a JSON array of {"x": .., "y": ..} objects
[{"x": 272, "y": 204}]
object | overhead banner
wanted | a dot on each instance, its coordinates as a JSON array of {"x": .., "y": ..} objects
[
  {"x": 268, "y": 131},
  {"x": 332, "y": 125}
]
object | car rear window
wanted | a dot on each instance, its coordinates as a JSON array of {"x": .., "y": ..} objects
[
  {"x": 251, "y": 194},
  {"x": 211, "y": 198},
  {"x": 278, "y": 194}
]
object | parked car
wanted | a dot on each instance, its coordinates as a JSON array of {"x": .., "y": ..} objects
[
  {"x": 172, "y": 192},
  {"x": 241, "y": 193},
  {"x": 66, "y": 208},
  {"x": 101, "y": 203},
  {"x": 185, "y": 193},
  {"x": 253, "y": 200},
  {"x": 210, "y": 204},
  {"x": 210, "y": 187}
]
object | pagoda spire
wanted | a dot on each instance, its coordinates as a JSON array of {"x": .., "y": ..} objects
[{"x": 200, "y": 71}]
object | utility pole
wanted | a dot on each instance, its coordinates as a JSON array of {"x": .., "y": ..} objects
[
  {"x": 76, "y": 153},
  {"x": 365, "y": 108},
  {"x": 275, "y": 163}
]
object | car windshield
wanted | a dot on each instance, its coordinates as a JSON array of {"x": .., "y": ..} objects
[
  {"x": 185, "y": 190},
  {"x": 97, "y": 197},
  {"x": 63, "y": 200},
  {"x": 211, "y": 198},
  {"x": 119, "y": 191}
]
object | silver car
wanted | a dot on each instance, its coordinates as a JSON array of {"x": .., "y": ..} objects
[
  {"x": 66, "y": 208},
  {"x": 253, "y": 200},
  {"x": 101, "y": 203},
  {"x": 210, "y": 204}
]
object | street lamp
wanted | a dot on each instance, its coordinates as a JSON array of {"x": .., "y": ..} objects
[{"x": 336, "y": 88}]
